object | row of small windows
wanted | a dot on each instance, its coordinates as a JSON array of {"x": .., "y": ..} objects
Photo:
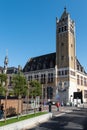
[
  {"x": 50, "y": 75},
  {"x": 66, "y": 72},
  {"x": 42, "y": 78},
  {"x": 64, "y": 58},
  {"x": 62, "y": 29},
  {"x": 63, "y": 72},
  {"x": 62, "y": 44},
  {"x": 80, "y": 68},
  {"x": 81, "y": 80}
]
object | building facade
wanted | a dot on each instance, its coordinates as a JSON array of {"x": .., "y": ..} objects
[
  {"x": 60, "y": 73},
  {"x": 10, "y": 72}
]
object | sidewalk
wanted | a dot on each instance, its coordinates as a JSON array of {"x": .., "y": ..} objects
[
  {"x": 34, "y": 121},
  {"x": 63, "y": 110},
  {"x": 28, "y": 123}
]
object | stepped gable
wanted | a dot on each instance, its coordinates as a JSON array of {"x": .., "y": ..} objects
[{"x": 41, "y": 62}]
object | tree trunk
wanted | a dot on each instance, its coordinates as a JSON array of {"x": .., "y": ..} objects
[
  {"x": 5, "y": 106},
  {"x": 18, "y": 107}
]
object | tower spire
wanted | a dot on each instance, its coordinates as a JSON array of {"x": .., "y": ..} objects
[
  {"x": 6, "y": 62},
  {"x": 7, "y": 52},
  {"x": 65, "y": 9}
]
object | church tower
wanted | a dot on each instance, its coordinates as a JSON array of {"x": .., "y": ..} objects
[{"x": 65, "y": 53}]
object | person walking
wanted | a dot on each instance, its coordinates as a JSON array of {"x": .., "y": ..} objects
[
  {"x": 1, "y": 111},
  {"x": 57, "y": 105}
]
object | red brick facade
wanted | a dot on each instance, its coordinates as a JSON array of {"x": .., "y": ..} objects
[{"x": 12, "y": 105}]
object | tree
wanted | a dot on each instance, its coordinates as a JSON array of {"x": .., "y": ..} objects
[
  {"x": 3, "y": 81},
  {"x": 35, "y": 89},
  {"x": 4, "y": 89},
  {"x": 20, "y": 87}
]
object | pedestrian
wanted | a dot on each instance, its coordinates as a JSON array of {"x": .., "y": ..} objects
[
  {"x": 1, "y": 111},
  {"x": 57, "y": 105},
  {"x": 62, "y": 104}
]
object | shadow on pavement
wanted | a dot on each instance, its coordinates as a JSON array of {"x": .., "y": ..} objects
[{"x": 75, "y": 120}]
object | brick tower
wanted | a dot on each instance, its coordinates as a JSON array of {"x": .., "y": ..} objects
[{"x": 65, "y": 55}]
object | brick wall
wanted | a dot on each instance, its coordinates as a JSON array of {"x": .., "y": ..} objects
[{"x": 12, "y": 105}]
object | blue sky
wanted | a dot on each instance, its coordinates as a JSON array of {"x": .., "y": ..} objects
[{"x": 28, "y": 28}]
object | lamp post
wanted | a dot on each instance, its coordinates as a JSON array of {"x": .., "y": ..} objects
[{"x": 6, "y": 93}]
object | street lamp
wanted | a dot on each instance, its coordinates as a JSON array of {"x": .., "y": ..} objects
[{"x": 5, "y": 72}]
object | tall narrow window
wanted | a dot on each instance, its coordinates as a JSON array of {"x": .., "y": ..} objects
[{"x": 49, "y": 92}]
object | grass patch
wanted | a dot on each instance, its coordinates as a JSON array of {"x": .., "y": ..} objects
[{"x": 13, "y": 120}]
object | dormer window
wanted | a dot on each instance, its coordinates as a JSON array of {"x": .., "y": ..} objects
[
  {"x": 51, "y": 64},
  {"x": 44, "y": 66}
]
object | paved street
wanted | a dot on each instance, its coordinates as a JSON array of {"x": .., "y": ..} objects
[{"x": 71, "y": 119}]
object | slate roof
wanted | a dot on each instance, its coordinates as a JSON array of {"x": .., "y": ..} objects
[
  {"x": 41, "y": 62},
  {"x": 46, "y": 62},
  {"x": 80, "y": 67}
]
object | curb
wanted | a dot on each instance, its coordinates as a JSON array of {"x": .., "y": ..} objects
[{"x": 21, "y": 125}]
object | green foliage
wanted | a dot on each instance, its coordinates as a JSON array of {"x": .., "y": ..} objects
[
  {"x": 3, "y": 83},
  {"x": 3, "y": 78},
  {"x": 35, "y": 88},
  {"x": 19, "y": 85},
  {"x": 11, "y": 92},
  {"x": 2, "y": 91}
]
